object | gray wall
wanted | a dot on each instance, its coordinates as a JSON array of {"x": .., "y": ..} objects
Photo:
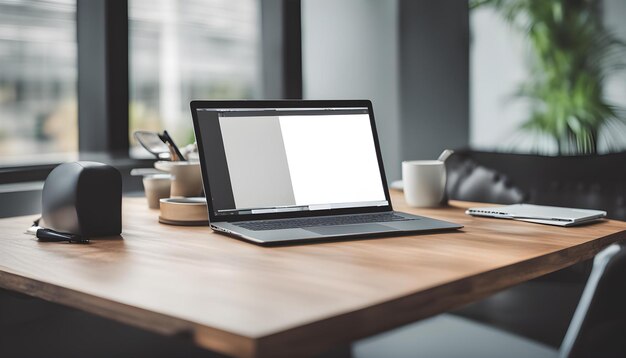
[
  {"x": 409, "y": 57},
  {"x": 434, "y": 47},
  {"x": 498, "y": 64},
  {"x": 615, "y": 90},
  {"x": 350, "y": 51}
]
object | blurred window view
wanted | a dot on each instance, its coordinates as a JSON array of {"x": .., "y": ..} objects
[
  {"x": 189, "y": 49},
  {"x": 38, "y": 111}
]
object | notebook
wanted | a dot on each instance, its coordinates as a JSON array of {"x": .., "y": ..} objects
[{"x": 540, "y": 214}]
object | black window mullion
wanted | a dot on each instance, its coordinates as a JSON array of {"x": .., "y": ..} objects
[
  {"x": 292, "y": 49},
  {"x": 281, "y": 41},
  {"x": 102, "y": 36}
]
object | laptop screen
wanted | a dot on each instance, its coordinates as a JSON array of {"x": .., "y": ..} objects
[{"x": 284, "y": 160}]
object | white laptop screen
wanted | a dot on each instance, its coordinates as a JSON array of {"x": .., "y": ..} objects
[{"x": 261, "y": 161}]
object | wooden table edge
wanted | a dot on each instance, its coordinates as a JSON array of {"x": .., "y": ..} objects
[
  {"x": 365, "y": 322},
  {"x": 338, "y": 330},
  {"x": 205, "y": 337}
]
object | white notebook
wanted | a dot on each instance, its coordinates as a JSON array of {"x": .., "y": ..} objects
[{"x": 551, "y": 215}]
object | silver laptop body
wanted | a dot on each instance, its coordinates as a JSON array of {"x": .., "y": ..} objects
[{"x": 291, "y": 171}]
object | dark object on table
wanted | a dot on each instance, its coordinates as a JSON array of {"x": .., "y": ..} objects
[
  {"x": 48, "y": 235},
  {"x": 84, "y": 199}
]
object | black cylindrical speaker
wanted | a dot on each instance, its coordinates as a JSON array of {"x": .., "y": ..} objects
[{"x": 83, "y": 198}]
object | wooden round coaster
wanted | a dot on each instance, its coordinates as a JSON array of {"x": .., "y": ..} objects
[
  {"x": 183, "y": 223},
  {"x": 184, "y": 211}
]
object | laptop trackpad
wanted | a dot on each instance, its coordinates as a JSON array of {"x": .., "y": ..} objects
[{"x": 350, "y": 229}]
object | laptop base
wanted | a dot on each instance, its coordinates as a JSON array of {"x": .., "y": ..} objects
[{"x": 413, "y": 225}]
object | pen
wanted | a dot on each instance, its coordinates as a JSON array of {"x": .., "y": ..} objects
[{"x": 165, "y": 137}]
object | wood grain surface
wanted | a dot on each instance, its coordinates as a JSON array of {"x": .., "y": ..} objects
[{"x": 249, "y": 301}]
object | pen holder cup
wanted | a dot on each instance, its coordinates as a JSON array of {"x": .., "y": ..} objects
[{"x": 186, "y": 177}]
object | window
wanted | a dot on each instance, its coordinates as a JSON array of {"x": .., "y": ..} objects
[
  {"x": 189, "y": 49},
  {"x": 38, "y": 111}
]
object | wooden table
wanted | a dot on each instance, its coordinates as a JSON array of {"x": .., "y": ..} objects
[{"x": 249, "y": 301}]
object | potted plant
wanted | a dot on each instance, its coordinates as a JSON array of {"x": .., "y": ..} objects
[{"x": 572, "y": 55}]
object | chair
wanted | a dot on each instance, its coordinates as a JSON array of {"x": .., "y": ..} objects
[
  {"x": 597, "y": 329},
  {"x": 539, "y": 309},
  {"x": 584, "y": 181}
]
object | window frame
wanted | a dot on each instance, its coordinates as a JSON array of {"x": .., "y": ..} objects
[
  {"x": 103, "y": 78},
  {"x": 102, "y": 41}
]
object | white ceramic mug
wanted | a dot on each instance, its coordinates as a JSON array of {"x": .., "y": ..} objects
[{"x": 424, "y": 182}]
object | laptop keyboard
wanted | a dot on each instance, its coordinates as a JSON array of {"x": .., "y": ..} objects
[{"x": 319, "y": 221}]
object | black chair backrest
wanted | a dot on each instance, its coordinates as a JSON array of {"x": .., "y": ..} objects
[{"x": 591, "y": 181}]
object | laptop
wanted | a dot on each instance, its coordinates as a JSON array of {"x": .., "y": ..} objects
[
  {"x": 540, "y": 214},
  {"x": 290, "y": 171}
]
